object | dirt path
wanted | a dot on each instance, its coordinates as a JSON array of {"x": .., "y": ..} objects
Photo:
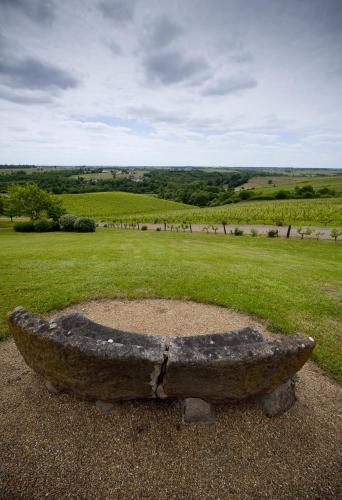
[
  {"x": 60, "y": 448},
  {"x": 262, "y": 229}
]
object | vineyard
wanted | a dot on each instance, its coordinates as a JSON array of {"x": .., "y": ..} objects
[{"x": 316, "y": 212}]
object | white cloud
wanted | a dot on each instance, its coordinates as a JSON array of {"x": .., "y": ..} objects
[{"x": 146, "y": 82}]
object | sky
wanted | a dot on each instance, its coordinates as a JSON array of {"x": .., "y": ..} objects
[{"x": 178, "y": 82}]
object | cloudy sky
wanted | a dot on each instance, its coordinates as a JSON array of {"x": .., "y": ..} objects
[{"x": 178, "y": 82}]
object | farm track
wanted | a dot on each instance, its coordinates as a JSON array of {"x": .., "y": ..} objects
[{"x": 262, "y": 229}]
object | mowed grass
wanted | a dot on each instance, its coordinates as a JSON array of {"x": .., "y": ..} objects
[
  {"x": 295, "y": 285},
  {"x": 113, "y": 205},
  {"x": 5, "y": 223}
]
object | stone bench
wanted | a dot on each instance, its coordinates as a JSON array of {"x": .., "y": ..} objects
[{"x": 99, "y": 363}]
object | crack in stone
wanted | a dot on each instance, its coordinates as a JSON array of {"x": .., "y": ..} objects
[{"x": 159, "y": 392}]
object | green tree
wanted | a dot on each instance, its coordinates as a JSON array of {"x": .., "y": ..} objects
[
  {"x": 32, "y": 201},
  {"x": 245, "y": 195},
  {"x": 201, "y": 198},
  {"x": 335, "y": 233},
  {"x": 9, "y": 208}
]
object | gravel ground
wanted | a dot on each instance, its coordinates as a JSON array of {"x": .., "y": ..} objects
[{"x": 60, "y": 448}]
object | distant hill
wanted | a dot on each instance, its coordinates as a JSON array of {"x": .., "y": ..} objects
[
  {"x": 269, "y": 185},
  {"x": 111, "y": 205}
]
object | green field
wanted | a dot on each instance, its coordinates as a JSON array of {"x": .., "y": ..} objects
[
  {"x": 295, "y": 285},
  {"x": 5, "y": 223},
  {"x": 259, "y": 181},
  {"x": 314, "y": 212},
  {"x": 116, "y": 204},
  {"x": 129, "y": 207},
  {"x": 95, "y": 175},
  {"x": 288, "y": 184}
]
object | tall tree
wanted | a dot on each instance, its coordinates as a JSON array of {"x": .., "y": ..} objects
[{"x": 31, "y": 200}]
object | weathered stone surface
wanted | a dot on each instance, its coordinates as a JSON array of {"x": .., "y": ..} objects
[
  {"x": 280, "y": 400},
  {"x": 196, "y": 410},
  {"x": 234, "y": 365},
  {"x": 87, "y": 359},
  {"x": 95, "y": 362}
]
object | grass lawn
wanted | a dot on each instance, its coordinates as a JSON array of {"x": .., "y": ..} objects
[
  {"x": 5, "y": 223},
  {"x": 296, "y": 285}
]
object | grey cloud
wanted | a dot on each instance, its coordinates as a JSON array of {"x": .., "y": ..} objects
[
  {"x": 232, "y": 85},
  {"x": 119, "y": 11},
  {"x": 202, "y": 125},
  {"x": 337, "y": 72},
  {"x": 162, "y": 32},
  {"x": 173, "y": 67},
  {"x": 37, "y": 10},
  {"x": 29, "y": 98},
  {"x": 30, "y": 73},
  {"x": 3, "y": 43},
  {"x": 242, "y": 57},
  {"x": 115, "y": 48}
]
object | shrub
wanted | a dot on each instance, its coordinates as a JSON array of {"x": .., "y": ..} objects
[
  {"x": 238, "y": 231},
  {"x": 67, "y": 222},
  {"x": 282, "y": 195},
  {"x": 143, "y": 228},
  {"x": 254, "y": 232},
  {"x": 245, "y": 195},
  {"x": 272, "y": 233},
  {"x": 158, "y": 228},
  {"x": 84, "y": 225},
  {"x": 45, "y": 225},
  {"x": 304, "y": 232},
  {"x": 24, "y": 227}
]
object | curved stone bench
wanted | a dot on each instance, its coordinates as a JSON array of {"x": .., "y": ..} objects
[
  {"x": 90, "y": 360},
  {"x": 95, "y": 362}
]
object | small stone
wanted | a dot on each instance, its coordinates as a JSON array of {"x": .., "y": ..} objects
[
  {"x": 110, "y": 341},
  {"x": 18, "y": 309},
  {"x": 196, "y": 410},
  {"x": 104, "y": 406},
  {"x": 51, "y": 388},
  {"x": 280, "y": 400}
]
